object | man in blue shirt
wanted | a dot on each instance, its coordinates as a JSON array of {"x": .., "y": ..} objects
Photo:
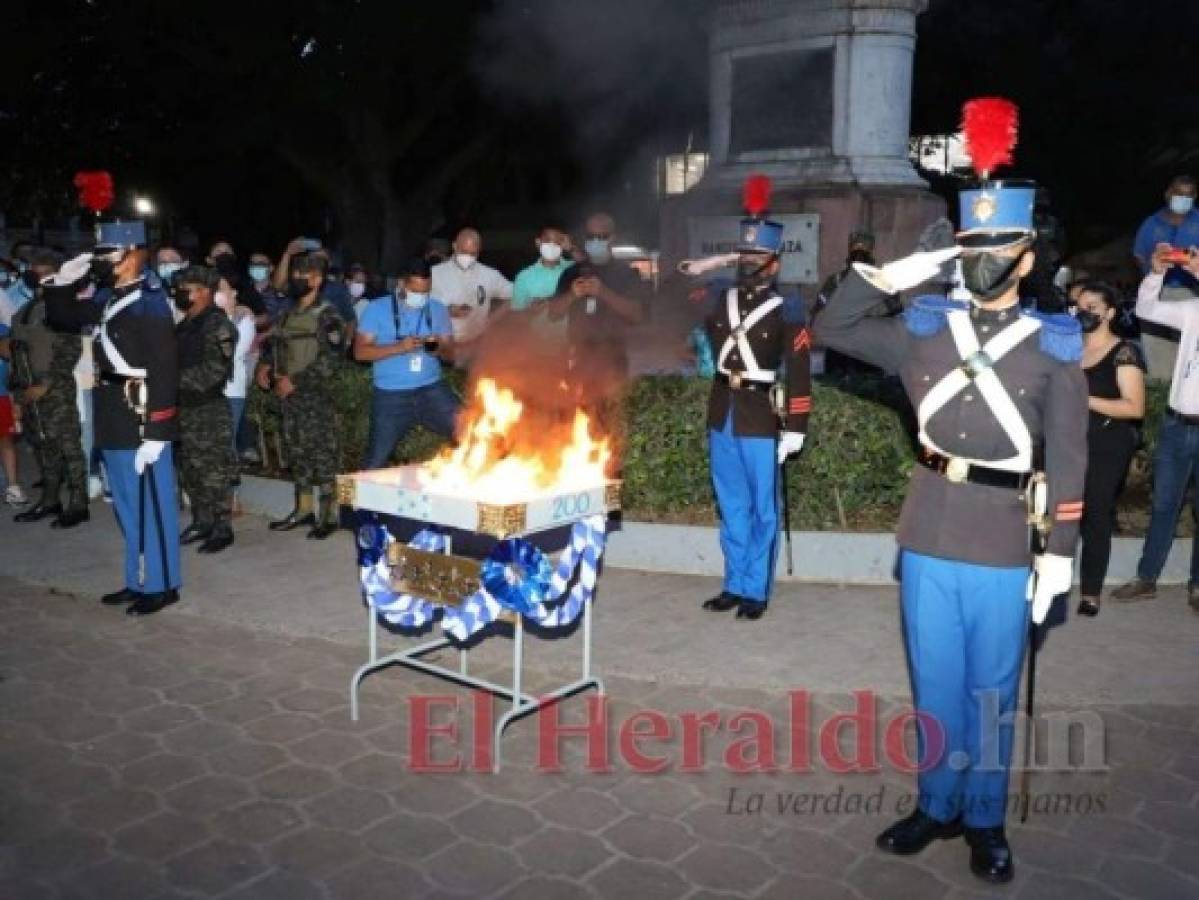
[
  {"x": 1176, "y": 224},
  {"x": 405, "y": 336}
]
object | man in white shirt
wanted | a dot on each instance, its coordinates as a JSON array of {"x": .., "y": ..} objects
[
  {"x": 1176, "y": 459},
  {"x": 469, "y": 289}
]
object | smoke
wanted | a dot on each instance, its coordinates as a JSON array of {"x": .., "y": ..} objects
[{"x": 625, "y": 76}]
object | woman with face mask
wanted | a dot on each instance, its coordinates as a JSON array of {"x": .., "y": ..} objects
[{"x": 1115, "y": 373}]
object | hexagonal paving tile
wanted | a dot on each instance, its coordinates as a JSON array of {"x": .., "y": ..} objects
[
  {"x": 293, "y": 782},
  {"x": 473, "y": 869},
  {"x": 563, "y": 852},
  {"x": 206, "y": 795},
  {"x": 160, "y": 837},
  {"x": 495, "y": 822},
  {"x": 215, "y": 867},
  {"x": 257, "y": 822},
  {"x": 161, "y": 771},
  {"x": 582, "y": 809},
  {"x": 647, "y": 837},
  {"x": 348, "y": 808},
  {"x": 637, "y": 878},
  {"x": 410, "y": 837}
]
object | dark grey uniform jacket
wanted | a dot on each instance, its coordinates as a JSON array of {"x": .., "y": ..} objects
[{"x": 971, "y": 522}]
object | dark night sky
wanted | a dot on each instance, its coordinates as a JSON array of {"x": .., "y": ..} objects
[{"x": 403, "y": 118}]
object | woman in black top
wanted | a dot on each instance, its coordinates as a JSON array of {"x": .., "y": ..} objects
[{"x": 1115, "y": 371}]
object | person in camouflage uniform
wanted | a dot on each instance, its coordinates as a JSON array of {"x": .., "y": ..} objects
[
  {"x": 43, "y": 376},
  {"x": 301, "y": 357},
  {"x": 206, "y": 341}
]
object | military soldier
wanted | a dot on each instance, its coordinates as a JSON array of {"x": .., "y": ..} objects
[
  {"x": 43, "y": 374},
  {"x": 135, "y": 402},
  {"x": 300, "y": 360},
  {"x": 1001, "y": 405},
  {"x": 755, "y": 333},
  {"x": 207, "y": 340}
]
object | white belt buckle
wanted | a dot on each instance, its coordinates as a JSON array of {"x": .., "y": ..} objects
[{"x": 957, "y": 470}]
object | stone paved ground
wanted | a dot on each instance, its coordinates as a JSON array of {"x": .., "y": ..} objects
[{"x": 186, "y": 757}]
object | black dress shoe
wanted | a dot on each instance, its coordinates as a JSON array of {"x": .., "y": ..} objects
[
  {"x": 37, "y": 512},
  {"x": 751, "y": 609},
  {"x": 221, "y": 538},
  {"x": 148, "y": 604},
  {"x": 69, "y": 518},
  {"x": 292, "y": 520},
  {"x": 990, "y": 855},
  {"x": 116, "y": 598},
  {"x": 723, "y": 603},
  {"x": 917, "y": 831},
  {"x": 320, "y": 532},
  {"x": 1087, "y": 607},
  {"x": 194, "y": 532}
]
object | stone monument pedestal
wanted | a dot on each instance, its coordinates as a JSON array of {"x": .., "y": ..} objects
[{"x": 815, "y": 94}]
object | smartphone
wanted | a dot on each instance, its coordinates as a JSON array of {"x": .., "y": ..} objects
[
  {"x": 1176, "y": 257},
  {"x": 431, "y": 344}
]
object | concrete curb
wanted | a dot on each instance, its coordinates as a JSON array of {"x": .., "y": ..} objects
[{"x": 820, "y": 556}]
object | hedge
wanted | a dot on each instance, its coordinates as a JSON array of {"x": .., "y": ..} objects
[{"x": 852, "y": 474}]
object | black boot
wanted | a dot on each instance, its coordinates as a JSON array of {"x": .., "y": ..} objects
[
  {"x": 75, "y": 512},
  {"x": 990, "y": 855},
  {"x": 222, "y": 537},
  {"x": 71, "y": 516},
  {"x": 148, "y": 604},
  {"x": 37, "y": 512},
  {"x": 301, "y": 513},
  {"x": 116, "y": 598},
  {"x": 917, "y": 831},
  {"x": 326, "y": 521},
  {"x": 196, "y": 531},
  {"x": 751, "y": 609},
  {"x": 723, "y": 603}
]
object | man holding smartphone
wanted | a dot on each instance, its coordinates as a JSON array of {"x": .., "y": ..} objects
[
  {"x": 469, "y": 289},
  {"x": 405, "y": 337}
]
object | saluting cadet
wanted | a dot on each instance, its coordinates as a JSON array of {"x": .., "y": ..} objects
[
  {"x": 135, "y": 402},
  {"x": 757, "y": 336},
  {"x": 1001, "y": 404},
  {"x": 207, "y": 340}
]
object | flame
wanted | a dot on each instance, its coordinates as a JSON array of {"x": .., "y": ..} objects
[{"x": 499, "y": 461}]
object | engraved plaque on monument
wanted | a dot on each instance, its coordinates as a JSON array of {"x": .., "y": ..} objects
[{"x": 782, "y": 100}]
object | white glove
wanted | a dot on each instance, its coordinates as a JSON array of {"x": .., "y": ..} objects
[
  {"x": 1052, "y": 576},
  {"x": 907, "y": 272},
  {"x": 70, "y": 271},
  {"x": 147, "y": 454},
  {"x": 707, "y": 264},
  {"x": 789, "y": 442}
]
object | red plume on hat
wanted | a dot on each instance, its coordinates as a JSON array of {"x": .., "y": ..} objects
[
  {"x": 990, "y": 125},
  {"x": 95, "y": 190},
  {"x": 756, "y": 195}
]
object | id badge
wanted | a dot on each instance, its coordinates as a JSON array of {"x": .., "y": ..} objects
[
  {"x": 414, "y": 364},
  {"x": 591, "y": 305}
]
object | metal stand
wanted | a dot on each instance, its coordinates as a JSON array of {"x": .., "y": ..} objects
[{"x": 522, "y": 704}]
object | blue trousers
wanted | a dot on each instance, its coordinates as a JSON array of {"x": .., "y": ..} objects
[
  {"x": 394, "y": 413},
  {"x": 965, "y": 626},
  {"x": 125, "y": 484},
  {"x": 745, "y": 477},
  {"x": 1175, "y": 465}
]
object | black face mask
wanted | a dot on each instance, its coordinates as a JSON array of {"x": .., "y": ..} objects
[
  {"x": 989, "y": 275},
  {"x": 751, "y": 273},
  {"x": 183, "y": 300},
  {"x": 298, "y": 288},
  {"x": 1087, "y": 320}
]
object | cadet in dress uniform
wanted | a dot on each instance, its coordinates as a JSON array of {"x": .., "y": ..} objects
[
  {"x": 1001, "y": 405},
  {"x": 755, "y": 333},
  {"x": 207, "y": 340},
  {"x": 299, "y": 363},
  {"x": 43, "y": 373},
  {"x": 135, "y": 402}
]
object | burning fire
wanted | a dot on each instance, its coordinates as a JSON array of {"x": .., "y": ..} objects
[{"x": 500, "y": 460}]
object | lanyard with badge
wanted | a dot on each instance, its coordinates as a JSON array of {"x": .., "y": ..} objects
[{"x": 425, "y": 320}]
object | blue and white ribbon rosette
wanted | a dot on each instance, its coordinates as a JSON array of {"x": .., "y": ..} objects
[{"x": 516, "y": 577}]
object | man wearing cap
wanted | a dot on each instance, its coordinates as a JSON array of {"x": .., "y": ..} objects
[
  {"x": 135, "y": 401},
  {"x": 1001, "y": 404},
  {"x": 43, "y": 372},
  {"x": 298, "y": 365},
  {"x": 861, "y": 249},
  {"x": 207, "y": 340},
  {"x": 755, "y": 333}
]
